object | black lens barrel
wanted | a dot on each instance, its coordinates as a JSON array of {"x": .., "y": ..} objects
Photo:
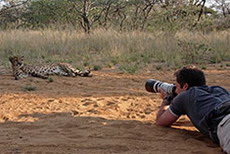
[{"x": 149, "y": 85}]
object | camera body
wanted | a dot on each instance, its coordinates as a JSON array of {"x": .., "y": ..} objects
[{"x": 153, "y": 86}]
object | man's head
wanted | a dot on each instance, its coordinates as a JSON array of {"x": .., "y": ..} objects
[{"x": 189, "y": 76}]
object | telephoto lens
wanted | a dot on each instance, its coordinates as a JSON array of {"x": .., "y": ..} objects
[{"x": 153, "y": 86}]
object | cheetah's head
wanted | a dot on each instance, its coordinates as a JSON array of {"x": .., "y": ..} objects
[{"x": 16, "y": 60}]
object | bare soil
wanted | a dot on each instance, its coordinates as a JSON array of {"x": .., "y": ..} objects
[{"x": 108, "y": 113}]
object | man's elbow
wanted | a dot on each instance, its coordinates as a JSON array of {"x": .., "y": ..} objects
[
  {"x": 166, "y": 119},
  {"x": 160, "y": 123}
]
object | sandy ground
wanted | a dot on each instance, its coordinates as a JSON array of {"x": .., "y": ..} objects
[{"x": 108, "y": 113}]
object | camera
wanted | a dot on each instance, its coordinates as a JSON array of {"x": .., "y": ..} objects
[{"x": 153, "y": 86}]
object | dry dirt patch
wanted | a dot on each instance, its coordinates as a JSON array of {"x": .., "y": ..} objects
[{"x": 108, "y": 113}]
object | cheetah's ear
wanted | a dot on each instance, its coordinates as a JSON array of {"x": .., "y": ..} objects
[{"x": 11, "y": 58}]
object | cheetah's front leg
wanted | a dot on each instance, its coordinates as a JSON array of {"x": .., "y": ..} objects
[{"x": 20, "y": 75}]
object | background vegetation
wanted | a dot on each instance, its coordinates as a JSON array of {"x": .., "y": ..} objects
[{"x": 128, "y": 35}]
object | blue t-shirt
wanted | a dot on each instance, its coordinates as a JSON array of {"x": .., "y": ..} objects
[{"x": 198, "y": 102}]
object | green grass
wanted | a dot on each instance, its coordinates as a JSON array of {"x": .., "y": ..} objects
[
  {"x": 127, "y": 51},
  {"x": 29, "y": 88},
  {"x": 50, "y": 79}
]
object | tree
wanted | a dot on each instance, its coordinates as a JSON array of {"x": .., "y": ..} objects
[
  {"x": 223, "y": 6},
  {"x": 10, "y": 12}
]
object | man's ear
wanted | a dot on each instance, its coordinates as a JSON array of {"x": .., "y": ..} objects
[{"x": 185, "y": 86}]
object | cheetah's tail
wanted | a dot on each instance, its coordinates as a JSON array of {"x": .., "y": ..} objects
[{"x": 85, "y": 73}]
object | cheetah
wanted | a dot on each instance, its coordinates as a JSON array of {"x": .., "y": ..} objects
[{"x": 22, "y": 70}]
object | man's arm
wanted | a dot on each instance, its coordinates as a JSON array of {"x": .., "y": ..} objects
[{"x": 164, "y": 116}]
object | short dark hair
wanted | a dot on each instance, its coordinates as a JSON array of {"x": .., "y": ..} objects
[{"x": 190, "y": 75}]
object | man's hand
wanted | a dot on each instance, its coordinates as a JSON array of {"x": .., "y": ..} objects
[
  {"x": 163, "y": 94},
  {"x": 164, "y": 116}
]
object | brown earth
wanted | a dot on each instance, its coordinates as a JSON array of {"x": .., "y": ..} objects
[{"x": 108, "y": 113}]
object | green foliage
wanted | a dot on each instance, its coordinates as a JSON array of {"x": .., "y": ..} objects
[
  {"x": 50, "y": 79},
  {"x": 179, "y": 17},
  {"x": 129, "y": 68},
  {"x": 42, "y": 13},
  {"x": 29, "y": 88},
  {"x": 194, "y": 52},
  {"x": 158, "y": 67},
  {"x": 97, "y": 67},
  {"x": 120, "y": 15}
]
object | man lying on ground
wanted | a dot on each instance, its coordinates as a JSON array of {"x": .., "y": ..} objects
[{"x": 207, "y": 107}]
